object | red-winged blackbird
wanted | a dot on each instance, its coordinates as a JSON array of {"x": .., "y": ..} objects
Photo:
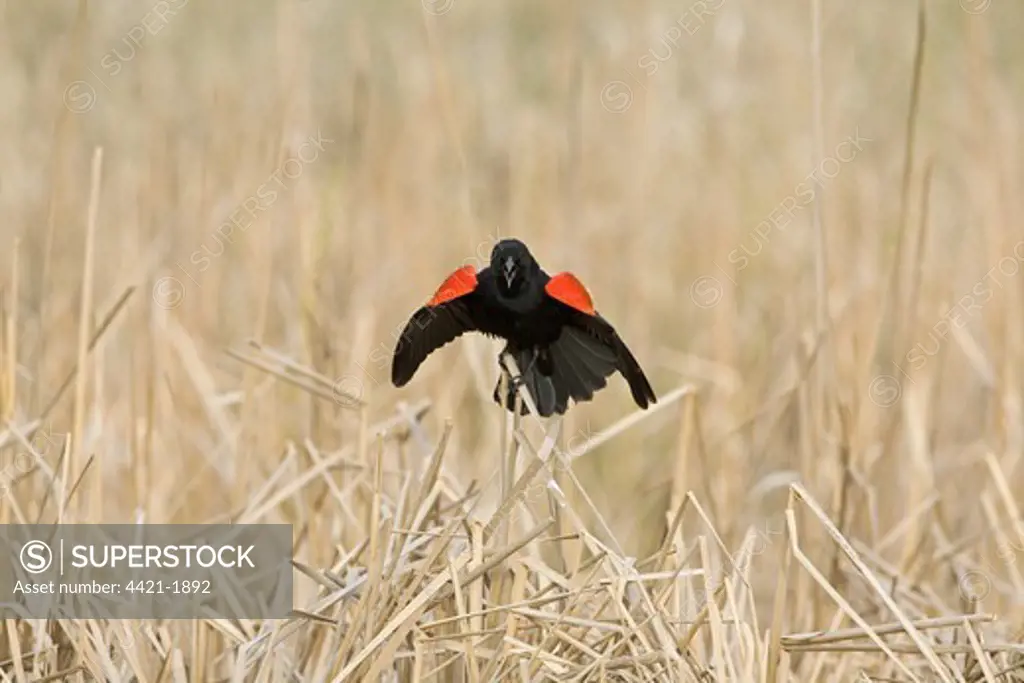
[{"x": 562, "y": 347}]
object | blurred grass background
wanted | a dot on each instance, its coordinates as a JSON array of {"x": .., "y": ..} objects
[{"x": 639, "y": 145}]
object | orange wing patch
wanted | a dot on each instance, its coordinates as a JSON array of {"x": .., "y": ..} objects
[
  {"x": 571, "y": 292},
  {"x": 459, "y": 283}
]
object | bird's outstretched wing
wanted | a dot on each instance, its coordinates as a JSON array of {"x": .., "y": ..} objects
[
  {"x": 447, "y": 315},
  {"x": 582, "y": 361}
]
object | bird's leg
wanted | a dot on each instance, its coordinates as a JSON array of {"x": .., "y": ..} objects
[
  {"x": 533, "y": 361},
  {"x": 513, "y": 380},
  {"x": 520, "y": 379}
]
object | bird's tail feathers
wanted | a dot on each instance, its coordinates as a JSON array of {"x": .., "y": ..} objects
[{"x": 575, "y": 366}]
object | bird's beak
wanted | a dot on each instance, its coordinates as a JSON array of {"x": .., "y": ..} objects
[{"x": 510, "y": 272}]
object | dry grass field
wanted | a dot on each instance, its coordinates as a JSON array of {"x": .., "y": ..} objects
[{"x": 803, "y": 216}]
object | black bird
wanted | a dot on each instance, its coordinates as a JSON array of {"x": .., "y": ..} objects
[{"x": 562, "y": 346}]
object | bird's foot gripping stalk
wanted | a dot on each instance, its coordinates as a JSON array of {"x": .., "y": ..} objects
[{"x": 514, "y": 381}]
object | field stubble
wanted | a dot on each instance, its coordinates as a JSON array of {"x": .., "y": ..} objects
[{"x": 217, "y": 219}]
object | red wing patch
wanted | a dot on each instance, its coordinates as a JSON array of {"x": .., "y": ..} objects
[
  {"x": 566, "y": 288},
  {"x": 459, "y": 283}
]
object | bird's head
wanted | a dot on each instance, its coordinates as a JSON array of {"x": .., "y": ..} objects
[{"x": 512, "y": 265}]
